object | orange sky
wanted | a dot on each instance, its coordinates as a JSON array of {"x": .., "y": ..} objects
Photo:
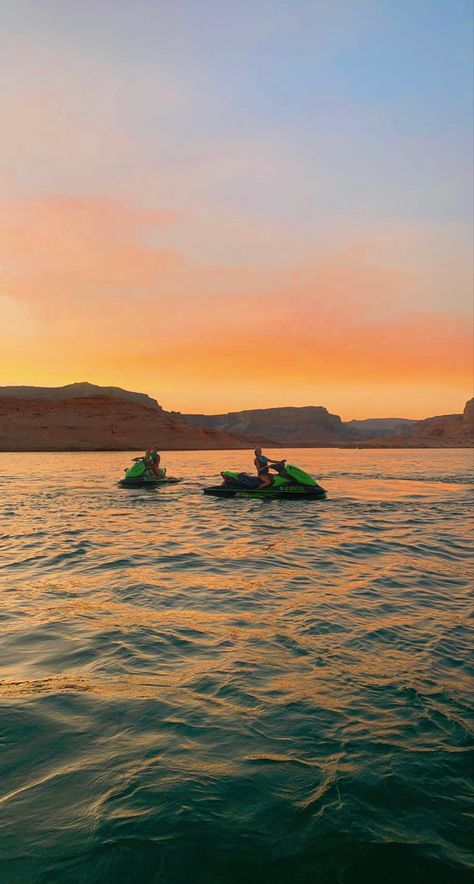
[
  {"x": 88, "y": 298},
  {"x": 223, "y": 249}
]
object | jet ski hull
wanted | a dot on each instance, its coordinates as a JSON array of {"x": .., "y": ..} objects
[
  {"x": 287, "y": 492},
  {"x": 142, "y": 482}
]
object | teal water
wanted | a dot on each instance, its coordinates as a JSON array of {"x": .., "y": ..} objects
[{"x": 216, "y": 691}]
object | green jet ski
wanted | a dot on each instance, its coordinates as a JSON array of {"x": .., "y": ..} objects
[
  {"x": 138, "y": 476},
  {"x": 291, "y": 483}
]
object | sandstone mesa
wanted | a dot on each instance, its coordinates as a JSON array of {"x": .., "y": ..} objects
[{"x": 86, "y": 417}]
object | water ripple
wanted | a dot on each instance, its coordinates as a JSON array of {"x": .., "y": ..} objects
[{"x": 214, "y": 691}]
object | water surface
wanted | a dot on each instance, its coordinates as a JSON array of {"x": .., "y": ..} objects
[{"x": 216, "y": 691}]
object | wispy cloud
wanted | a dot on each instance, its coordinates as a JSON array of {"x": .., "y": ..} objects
[{"x": 274, "y": 207}]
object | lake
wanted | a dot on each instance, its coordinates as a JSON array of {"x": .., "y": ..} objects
[{"x": 218, "y": 691}]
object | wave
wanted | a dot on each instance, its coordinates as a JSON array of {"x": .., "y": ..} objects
[
  {"x": 205, "y": 693},
  {"x": 455, "y": 479}
]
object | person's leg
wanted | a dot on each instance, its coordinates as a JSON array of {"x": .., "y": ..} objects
[{"x": 265, "y": 479}]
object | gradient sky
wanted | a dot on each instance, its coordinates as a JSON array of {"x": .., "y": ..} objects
[{"x": 236, "y": 205}]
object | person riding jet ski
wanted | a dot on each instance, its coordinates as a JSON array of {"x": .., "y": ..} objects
[
  {"x": 263, "y": 464},
  {"x": 290, "y": 482},
  {"x": 158, "y": 471},
  {"x": 146, "y": 470},
  {"x": 151, "y": 459}
]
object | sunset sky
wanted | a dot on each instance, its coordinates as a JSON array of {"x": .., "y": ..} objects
[{"x": 242, "y": 204}]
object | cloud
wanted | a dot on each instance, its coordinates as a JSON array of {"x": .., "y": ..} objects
[
  {"x": 113, "y": 303},
  {"x": 76, "y": 253}
]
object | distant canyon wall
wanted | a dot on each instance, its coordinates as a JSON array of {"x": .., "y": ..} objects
[
  {"x": 316, "y": 426},
  {"x": 85, "y": 417},
  {"x": 278, "y": 426}
]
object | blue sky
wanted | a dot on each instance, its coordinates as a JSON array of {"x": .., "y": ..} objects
[{"x": 279, "y": 135}]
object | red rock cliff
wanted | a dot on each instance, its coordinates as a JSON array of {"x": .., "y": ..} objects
[{"x": 55, "y": 419}]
